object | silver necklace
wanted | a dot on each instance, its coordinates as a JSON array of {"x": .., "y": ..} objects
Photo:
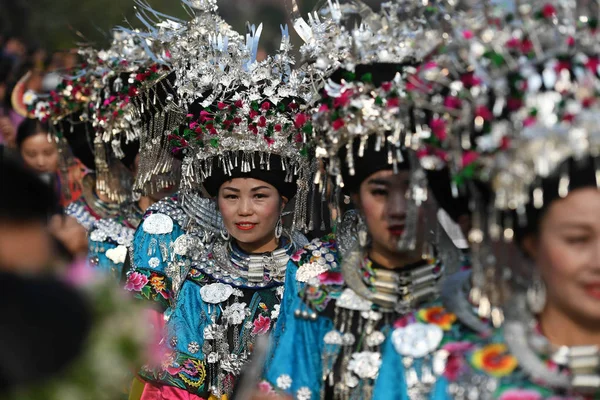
[
  {"x": 393, "y": 290},
  {"x": 582, "y": 362},
  {"x": 252, "y": 270}
]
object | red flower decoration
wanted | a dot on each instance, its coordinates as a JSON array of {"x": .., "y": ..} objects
[
  {"x": 387, "y": 86},
  {"x": 438, "y": 127},
  {"x": 221, "y": 105},
  {"x": 338, "y": 124},
  {"x": 253, "y": 114},
  {"x": 261, "y": 325},
  {"x": 278, "y": 128},
  {"x": 469, "y": 158},
  {"x": 484, "y": 112},
  {"x": 343, "y": 99},
  {"x": 452, "y": 102},
  {"x": 300, "y": 120},
  {"x": 393, "y": 102},
  {"x": 262, "y": 121},
  {"x": 265, "y": 106},
  {"x": 238, "y": 104},
  {"x": 548, "y": 11}
]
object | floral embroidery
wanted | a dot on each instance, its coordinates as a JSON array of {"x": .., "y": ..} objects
[
  {"x": 265, "y": 387},
  {"x": 494, "y": 360},
  {"x": 455, "y": 364},
  {"x": 304, "y": 393},
  {"x": 154, "y": 262},
  {"x": 136, "y": 281},
  {"x": 158, "y": 283},
  {"x": 331, "y": 278},
  {"x": 284, "y": 382},
  {"x": 262, "y": 325},
  {"x": 437, "y": 315},
  {"x": 297, "y": 255}
]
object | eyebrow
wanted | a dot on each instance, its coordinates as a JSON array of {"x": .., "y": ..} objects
[
  {"x": 259, "y": 188},
  {"x": 376, "y": 181},
  {"x": 252, "y": 190}
]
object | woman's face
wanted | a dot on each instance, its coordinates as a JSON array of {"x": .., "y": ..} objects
[
  {"x": 250, "y": 209},
  {"x": 40, "y": 153},
  {"x": 383, "y": 203},
  {"x": 567, "y": 253}
]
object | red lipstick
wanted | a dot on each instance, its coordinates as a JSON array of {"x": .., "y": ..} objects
[
  {"x": 593, "y": 290},
  {"x": 396, "y": 230},
  {"x": 245, "y": 226}
]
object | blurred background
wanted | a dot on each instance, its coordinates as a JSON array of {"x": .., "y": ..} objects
[{"x": 59, "y": 24}]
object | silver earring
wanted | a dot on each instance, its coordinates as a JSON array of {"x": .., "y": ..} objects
[
  {"x": 536, "y": 296},
  {"x": 224, "y": 233},
  {"x": 278, "y": 229},
  {"x": 363, "y": 232}
]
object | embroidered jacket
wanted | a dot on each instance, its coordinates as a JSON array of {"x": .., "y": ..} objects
[{"x": 349, "y": 347}]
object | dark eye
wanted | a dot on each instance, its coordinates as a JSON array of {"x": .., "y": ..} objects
[
  {"x": 261, "y": 196},
  {"x": 580, "y": 239},
  {"x": 231, "y": 196},
  {"x": 379, "y": 192}
]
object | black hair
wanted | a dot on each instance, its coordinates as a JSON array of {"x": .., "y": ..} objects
[
  {"x": 23, "y": 196},
  {"x": 28, "y": 128}
]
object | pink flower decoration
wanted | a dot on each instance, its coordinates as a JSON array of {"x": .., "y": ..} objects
[
  {"x": 393, "y": 102},
  {"x": 468, "y": 34},
  {"x": 529, "y": 121},
  {"x": 136, "y": 282},
  {"x": 404, "y": 321},
  {"x": 173, "y": 371},
  {"x": 262, "y": 325},
  {"x": 438, "y": 127},
  {"x": 324, "y": 108},
  {"x": 338, "y": 124},
  {"x": 205, "y": 116},
  {"x": 300, "y": 120},
  {"x": 331, "y": 278},
  {"x": 265, "y": 387},
  {"x": 193, "y": 125},
  {"x": 266, "y": 106},
  {"x": 221, "y": 105},
  {"x": 520, "y": 394},
  {"x": 297, "y": 255},
  {"x": 429, "y": 65},
  {"x": 458, "y": 347},
  {"x": 469, "y": 157}
]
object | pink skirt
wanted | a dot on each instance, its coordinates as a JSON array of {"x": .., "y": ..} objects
[{"x": 155, "y": 392}]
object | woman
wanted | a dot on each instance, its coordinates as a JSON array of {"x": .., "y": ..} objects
[
  {"x": 221, "y": 282},
  {"x": 347, "y": 297},
  {"x": 42, "y": 152}
]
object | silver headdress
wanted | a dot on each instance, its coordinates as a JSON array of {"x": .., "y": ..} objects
[{"x": 534, "y": 90}]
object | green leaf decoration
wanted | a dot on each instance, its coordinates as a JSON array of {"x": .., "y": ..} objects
[
  {"x": 254, "y": 105},
  {"x": 367, "y": 78},
  {"x": 349, "y": 76},
  {"x": 146, "y": 291},
  {"x": 378, "y": 101},
  {"x": 308, "y": 128},
  {"x": 304, "y": 151},
  {"x": 214, "y": 142}
]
